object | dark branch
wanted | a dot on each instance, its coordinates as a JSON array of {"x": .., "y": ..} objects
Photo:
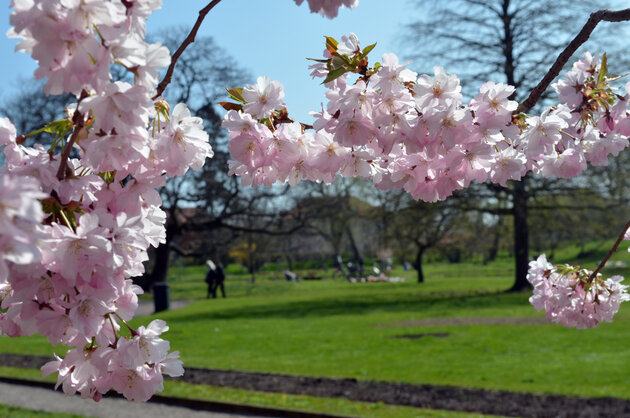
[
  {"x": 61, "y": 171},
  {"x": 262, "y": 231},
  {"x": 563, "y": 58},
  {"x": 79, "y": 122},
  {"x": 610, "y": 253},
  {"x": 183, "y": 253},
  {"x": 189, "y": 40}
]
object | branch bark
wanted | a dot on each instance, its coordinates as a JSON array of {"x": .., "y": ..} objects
[
  {"x": 563, "y": 58},
  {"x": 610, "y": 252},
  {"x": 189, "y": 40},
  {"x": 78, "y": 120}
]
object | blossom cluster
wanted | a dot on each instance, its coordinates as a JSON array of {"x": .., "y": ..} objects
[
  {"x": 328, "y": 8},
  {"x": 77, "y": 218},
  {"x": 135, "y": 367},
  {"x": 574, "y": 297},
  {"x": 415, "y": 132}
]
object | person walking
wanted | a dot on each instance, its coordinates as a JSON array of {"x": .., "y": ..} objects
[
  {"x": 219, "y": 280},
  {"x": 211, "y": 278}
]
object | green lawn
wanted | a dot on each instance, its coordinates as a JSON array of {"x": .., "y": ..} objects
[
  {"x": 334, "y": 328},
  {"x": 331, "y": 329},
  {"x": 15, "y": 412}
]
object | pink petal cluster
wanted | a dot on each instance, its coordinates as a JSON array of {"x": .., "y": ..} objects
[
  {"x": 73, "y": 232},
  {"x": 263, "y": 97},
  {"x": 20, "y": 217},
  {"x": 415, "y": 133},
  {"x": 133, "y": 367},
  {"x": 328, "y": 8},
  {"x": 569, "y": 297}
]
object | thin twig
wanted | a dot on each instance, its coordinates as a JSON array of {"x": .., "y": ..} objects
[
  {"x": 189, "y": 40},
  {"x": 79, "y": 122},
  {"x": 131, "y": 330},
  {"x": 563, "y": 58},
  {"x": 610, "y": 252},
  {"x": 61, "y": 172}
]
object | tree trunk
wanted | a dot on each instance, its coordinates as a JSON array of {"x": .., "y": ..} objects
[
  {"x": 252, "y": 261},
  {"x": 160, "y": 269},
  {"x": 287, "y": 253},
  {"x": 419, "y": 265},
  {"x": 519, "y": 192},
  {"x": 353, "y": 244},
  {"x": 162, "y": 256},
  {"x": 521, "y": 235},
  {"x": 290, "y": 262},
  {"x": 493, "y": 251}
]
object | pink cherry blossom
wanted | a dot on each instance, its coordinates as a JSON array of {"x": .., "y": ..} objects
[
  {"x": 67, "y": 277},
  {"x": 263, "y": 97},
  {"x": 328, "y": 8},
  {"x": 183, "y": 143},
  {"x": 441, "y": 90},
  {"x": 571, "y": 298}
]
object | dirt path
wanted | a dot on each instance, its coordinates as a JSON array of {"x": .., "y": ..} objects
[
  {"x": 428, "y": 322},
  {"x": 422, "y": 396}
]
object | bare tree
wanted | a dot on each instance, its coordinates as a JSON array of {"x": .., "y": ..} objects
[
  {"x": 423, "y": 226},
  {"x": 337, "y": 212},
  {"x": 30, "y": 110}
]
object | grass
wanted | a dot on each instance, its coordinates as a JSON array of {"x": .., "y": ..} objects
[
  {"x": 333, "y": 328},
  {"x": 16, "y": 411},
  {"x": 323, "y": 334}
]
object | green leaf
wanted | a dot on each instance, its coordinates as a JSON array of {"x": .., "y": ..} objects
[
  {"x": 71, "y": 217},
  {"x": 336, "y": 73},
  {"x": 339, "y": 61},
  {"x": 603, "y": 72},
  {"x": 367, "y": 50},
  {"x": 331, "y": 45},
  {"x": 347, "y": 60},
  {"x": 615, "y": 77},
  {"x": 318, "y": 60},
  {"x": 108, "y": 176},
  {"x": 330, "y": 41},
  {"x": 567, "y": 269},
  {"x": 58, "y": 126},
  {"x": 236, "y": 94}
]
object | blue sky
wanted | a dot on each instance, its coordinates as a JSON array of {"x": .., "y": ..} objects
[{"x": 266, "y": 37}]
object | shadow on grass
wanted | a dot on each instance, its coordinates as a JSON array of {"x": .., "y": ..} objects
[{"x": 323, "y": 307}]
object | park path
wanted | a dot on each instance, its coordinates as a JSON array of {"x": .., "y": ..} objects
[{"x": 36, "y": 398}]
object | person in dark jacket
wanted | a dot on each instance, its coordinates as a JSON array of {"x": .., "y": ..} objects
[
  {"x": 211, "y": 278},
  {"x": 219, "y": 280}
]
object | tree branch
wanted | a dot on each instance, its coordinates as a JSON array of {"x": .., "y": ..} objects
[
  {"x": 61, "y": 171},
  {"x": 189, "y": 40},
  {"x": 79, "y": 122},
  {"x": 580, "y": 38},
  {"x": 610, "y": 253},
  {"x": 262, "y": 231}
]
